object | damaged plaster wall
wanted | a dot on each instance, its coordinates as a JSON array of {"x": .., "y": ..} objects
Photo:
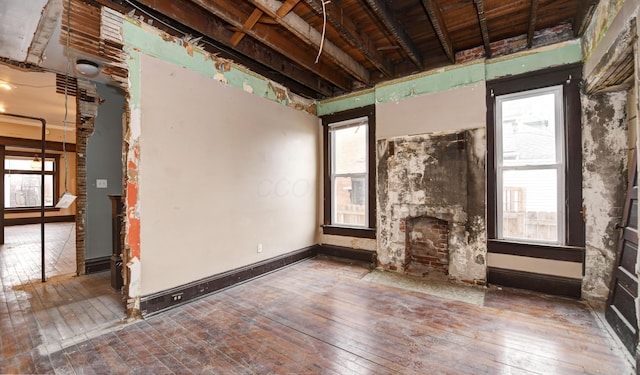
[
  {"x": 415, "y": 180},
  {"x": 221, "y": 161},
  {"x": 604, "y": 148}
]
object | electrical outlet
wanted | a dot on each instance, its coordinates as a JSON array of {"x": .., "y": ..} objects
[{"x": 259, "y": 247}]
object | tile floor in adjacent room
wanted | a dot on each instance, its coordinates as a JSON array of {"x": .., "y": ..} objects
[{"x": 319, "y": 316}]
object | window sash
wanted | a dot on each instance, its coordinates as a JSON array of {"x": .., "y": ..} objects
[
  {"x": 333, "y": 128},
  {"x": 531, "y": 165}
]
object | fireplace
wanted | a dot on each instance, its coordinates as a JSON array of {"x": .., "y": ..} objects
[
  {"x": 431, "y": 205},
  {"x": 427, "y": 246}
]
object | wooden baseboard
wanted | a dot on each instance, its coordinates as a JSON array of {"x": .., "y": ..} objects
[
  {"x": 97, "y": 264},
  {"x": 368, "y": 256},
  {"x": 36, "y": 220},
  {"x": 548, "y": 284},
  {"x": 157, "y": 302}
]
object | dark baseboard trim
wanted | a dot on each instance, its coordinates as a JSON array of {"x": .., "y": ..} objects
[
  {"x": 97, "y": 264},
  {"x": 548, "y": 284},
  {"x": 368, "y": 256},
  {"x": 157, "y": 302},
  {"x": 36, "y": 220}
]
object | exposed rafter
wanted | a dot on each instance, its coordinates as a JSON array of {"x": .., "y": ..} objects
[
  {"x": 482, "y": 18},
  {"x": 438, "y": 25},
  {"x": 248, "y": 24},
  {"x": 192, "y": 16},
  {"x": 533, "y": 19},
  {"x": 347, "y": 27},
  {"x": 583, "y": 15},
  {"x": 229, "y": 12},
  {"x": 287, "y": 6},
  {"x": 312, "y": 37},
  {"x": 381, "y": 8}
]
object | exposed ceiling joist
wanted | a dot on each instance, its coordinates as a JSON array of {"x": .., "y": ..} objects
[
  {"x": 248, "y": 24},
  {"x": 438, "y": 25},
  {"x": 312, "y": 37},
  {"x": 533, "y": 19},
  {"x": 381, "y": 8},
  {"x": 347, "y": 27},
  {"x": 583, "y": 15},
  {"x": 286, "y": 7},
  {"x": 192, "y": 16},
  {"x": 226, "y": 10},
  {"x": 482, "y": 18}
]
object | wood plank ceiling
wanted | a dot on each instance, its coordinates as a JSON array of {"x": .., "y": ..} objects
[{"x": 365, "y": 41}]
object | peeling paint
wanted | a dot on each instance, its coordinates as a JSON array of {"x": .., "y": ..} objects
[
  {"x": 604, "y": 168},
  {"x": 414, "y": 181},
  {"x": 150, "y": 41},
  {"x": 455, "y": 76}
]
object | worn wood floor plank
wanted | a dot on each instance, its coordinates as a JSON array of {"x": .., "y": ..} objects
[{"x": 316, "y": 317}]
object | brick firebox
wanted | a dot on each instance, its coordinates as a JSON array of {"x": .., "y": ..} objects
[{"x": 427, "y": 245}]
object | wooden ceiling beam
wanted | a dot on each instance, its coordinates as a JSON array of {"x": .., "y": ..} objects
[
  {"x": 583, "y": 16},
  {"x": 193, "y": 17},
  {"x": 435, "y": 15},
  {"x": 381, "y": 9},
  {"x": 482, "y": 18},
  {"x": 230, "y": 13},
  {"x": 287, "y": 7},
  {"x": 347, "y": 27},
  {"x": 533, "y": 19},
  {"x": 300, "y": 28},
  {"x": 248, "y": 24}
]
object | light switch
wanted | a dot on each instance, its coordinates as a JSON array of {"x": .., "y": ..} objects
[{"x": 101, "y": 183}]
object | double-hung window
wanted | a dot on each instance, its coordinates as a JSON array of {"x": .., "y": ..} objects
[
  {"x": 530, "y": 166},
  {"x": 534, "y": 172},
  {"x": 349, "y": 173}
]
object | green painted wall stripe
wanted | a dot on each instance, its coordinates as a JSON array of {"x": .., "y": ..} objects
[
  {"x": 570, "y": 52},
  {"x": 430, "y": 82},
  {"x": 458, "y": 76},
  {"x": 343, "y": 103},
  {"x": 151, "y": 43}
]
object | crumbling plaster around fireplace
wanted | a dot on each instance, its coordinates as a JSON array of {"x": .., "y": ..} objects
[{"x": 438, "y": 175}]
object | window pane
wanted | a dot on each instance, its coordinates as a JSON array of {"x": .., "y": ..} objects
[
  {"x": 529, "y": 130},
  {"x": 349, "y": 201},
  {"x": 530, "y": 205},
  {"x": 350, "y": 150},
  {"x": 23, "y": 190}
]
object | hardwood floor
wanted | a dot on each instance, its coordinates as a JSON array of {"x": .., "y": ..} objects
[{"x": 321, "y": 316}]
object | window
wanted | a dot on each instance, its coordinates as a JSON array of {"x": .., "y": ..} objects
[
  {"x": 530, "y": 166},
  {"x": 535, "y": 164},
  {"x": 349, "y": 178},
  {"x": 22, "y": 180}
]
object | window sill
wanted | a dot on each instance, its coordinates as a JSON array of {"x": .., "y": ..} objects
[
  {"x": 349, "y": 231},
  {"x": 554, "y": 252}
]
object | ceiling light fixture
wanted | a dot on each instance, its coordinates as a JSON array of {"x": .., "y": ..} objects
[
  {"x": 87, "y": 68},
  {"x": 5, "y": 86},
  {"x": 2, "y": 109}
]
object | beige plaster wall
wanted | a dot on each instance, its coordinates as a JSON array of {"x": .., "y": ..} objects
[
  {"x": 221, "y": 171},
  {"x": 451, "y": 110}
]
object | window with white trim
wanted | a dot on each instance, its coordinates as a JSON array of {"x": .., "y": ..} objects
[
  {"x": 349, "y": 170},
  {"x": 530, "y": 166}
]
